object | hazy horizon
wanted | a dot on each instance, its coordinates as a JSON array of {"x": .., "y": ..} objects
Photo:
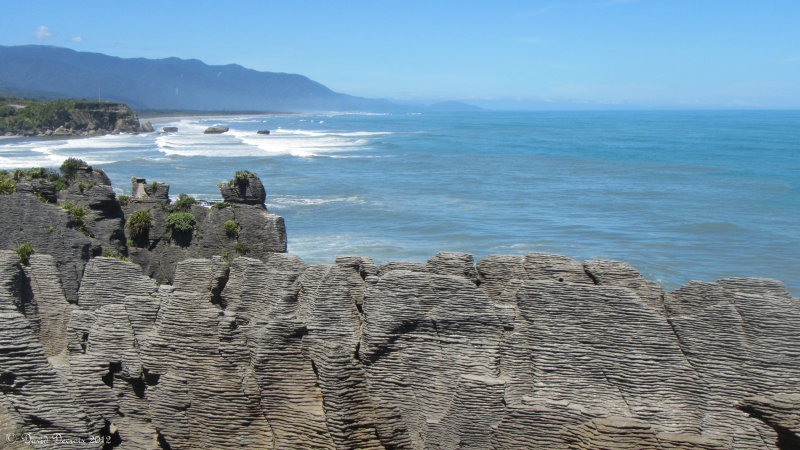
[{"x": 601, "y": 54}]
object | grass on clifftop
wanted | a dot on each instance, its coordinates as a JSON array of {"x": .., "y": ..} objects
[{"x": 240, "y": 178}]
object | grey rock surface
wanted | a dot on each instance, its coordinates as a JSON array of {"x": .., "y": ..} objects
[
  {"x": 198, "y": 343},
  {"x": 247, "y": 190},
  {"x": 216, "y": 130},
  {"x": 26, "y": 219}
]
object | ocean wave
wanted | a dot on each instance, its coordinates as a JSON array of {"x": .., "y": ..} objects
[
  {"x": 301, "y": 143},
  {"x": 288, "y": 201},
  {"x": 49, "y": 152}
]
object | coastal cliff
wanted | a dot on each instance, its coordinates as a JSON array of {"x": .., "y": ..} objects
[
  {"x": 25, "y": 117},
  {"x": 203, "y": 332}
]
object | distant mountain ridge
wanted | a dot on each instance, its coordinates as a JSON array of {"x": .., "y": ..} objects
[{"x": 170, "y": 83}]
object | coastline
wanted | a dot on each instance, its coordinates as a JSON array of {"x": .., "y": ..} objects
[{"x": 329, "y": 173}]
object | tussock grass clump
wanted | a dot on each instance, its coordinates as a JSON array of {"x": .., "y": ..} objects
[
  {"x": 139, "y": 223},
  {"x": 78, "y": 215},
  {"x": 240, "y": 178},
  {"x": 109, "y": 253},
  {"x": 24, "y": 252}
]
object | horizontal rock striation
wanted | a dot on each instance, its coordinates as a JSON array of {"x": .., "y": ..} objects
[{"x": 262, "y": 350}]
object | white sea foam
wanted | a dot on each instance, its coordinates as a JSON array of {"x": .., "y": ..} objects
[
  {"x": 190, "y": 140},
  {"x": 302, "y": 201},
  {"x": 303, "y": 143},
  {"x": 52, "y": 152}
]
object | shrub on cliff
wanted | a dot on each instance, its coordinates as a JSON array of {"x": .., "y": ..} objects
[
  {"x": 181, "y": 222},
  {"x": 36, "y": 173},
  {"x": 109, "y": 253},
  {"x": 240, "y": 178},
  {"x": 39, "y": 173},
  {"x": 184, "y": 202},
  {"x": 7, "y": 183},
  {"x": 231, "y": 228},
  {"x": 77, "y": 214},
  {"x": 24, "y": 252},
  {"x": 139, "y": 222},
  {"x": 70, "y": 167}
]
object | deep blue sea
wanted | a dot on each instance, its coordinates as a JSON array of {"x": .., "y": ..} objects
[{"x": 680, "y": 195}]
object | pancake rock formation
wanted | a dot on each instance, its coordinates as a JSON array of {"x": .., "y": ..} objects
[{"x": 191, "y": 344}]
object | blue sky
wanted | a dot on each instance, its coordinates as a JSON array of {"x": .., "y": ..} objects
[{"x": 526, "y": 54}]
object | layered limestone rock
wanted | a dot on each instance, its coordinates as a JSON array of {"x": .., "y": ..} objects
[
  {"x": 239, "y": 226},
  {"x": 194, "y": 348},
  {"x": 534, "y": 351},
  {"x": 48, "y": 228},
  {"x": 85, "y": 219}
]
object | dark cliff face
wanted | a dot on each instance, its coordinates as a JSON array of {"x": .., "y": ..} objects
[
  {"x": 106, "y": 116},
  {"x": 516, "y": 351}
]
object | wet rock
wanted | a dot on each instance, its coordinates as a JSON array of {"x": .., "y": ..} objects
[{"x": 216, "y": 130}]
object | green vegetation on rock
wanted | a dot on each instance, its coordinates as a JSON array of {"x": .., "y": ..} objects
[
  {"x": 29, "y": 117},
  {"x": 240, "y": 178},
  {"x": 109, "y": 253},
  {"x": 139, "y": 222},
  {"x": 231, "y": 228},
  {"x": 181, "y": 222},
  {"x": 184, "y": 202},
  {"x": 220, "y": 205},
  {"x": 36, "y": 173},
  {"x": 35, "y": 116},
  {"x": 241, "y": 248},
  {"x": 69, "y": 168},
  {"x": 77, "y": 214},
  {"x": 7, "y": 183},
  {"x": 123, "y": 199},
  {"x": 24, "y": 252}
]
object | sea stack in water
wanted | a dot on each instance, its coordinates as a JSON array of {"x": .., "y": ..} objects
[
  {"x": 245, "y": 187},
  {"x": 263, "y": 131},
  {"x": 216, "y": 130},
  {"x": 170, "y": 129}
]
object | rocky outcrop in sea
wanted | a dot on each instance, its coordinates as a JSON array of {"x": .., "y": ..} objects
[{"x": 191, "y": 341}]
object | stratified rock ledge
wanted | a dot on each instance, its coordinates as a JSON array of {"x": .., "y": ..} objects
[{"x": 193, "y": 344}]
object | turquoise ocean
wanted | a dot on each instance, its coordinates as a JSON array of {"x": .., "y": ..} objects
[{"x": 680, "y": 195}]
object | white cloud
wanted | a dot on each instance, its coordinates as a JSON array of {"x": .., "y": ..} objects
[
  {"x": 76, "y": 39},
  {"x": 42, "y": 32}
]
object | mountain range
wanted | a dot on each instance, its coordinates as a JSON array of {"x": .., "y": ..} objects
[{"x": 167, "y": 84}]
